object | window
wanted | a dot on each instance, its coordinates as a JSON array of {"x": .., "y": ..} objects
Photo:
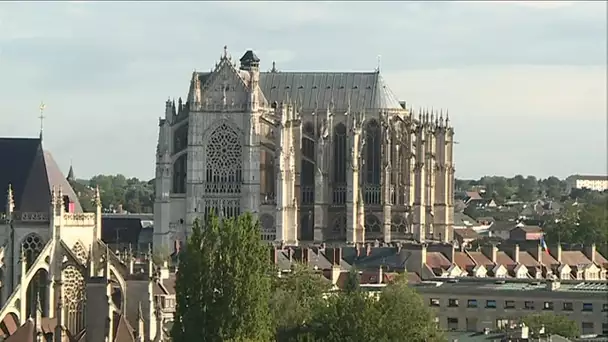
[
  {"x": 587, "y": 307},
  {"x": 529, "y": 305},
  {"x": 434, "y": 301},
  {"x": 491, "y": 304},
  {"x": 568, "y": 306},
  {"x": 604, "y": 307},
  {"x": 548, "y": 306},
  {"x": 453, "y": 303},
  {"x": 509, "y": 304},
  {"x": 587, "y": 328},
  {"x": 452, "y": 323},
  {"x": 472, "y": 303},
  {"x": 604, "y": 328}
]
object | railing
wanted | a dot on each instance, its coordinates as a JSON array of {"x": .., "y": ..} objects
[{"x": 87, "y": 219}]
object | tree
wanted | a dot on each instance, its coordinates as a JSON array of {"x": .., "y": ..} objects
[
  {"x": 223, "y": 284},
  {"x": 404, "y": 315},
  {"x": 553, "y": 324},
  {"x": 398, "y": 314},
  {"x": 296, "y": 298}
]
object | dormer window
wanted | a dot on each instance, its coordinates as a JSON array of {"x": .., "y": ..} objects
[
  {"x": 287, "y": 87},
  {"x": 328, "y": 87},
  {"x": 314, "y": 87},
  {"x": 273, "y": 87},
  {"x": 301, "y": 87}
]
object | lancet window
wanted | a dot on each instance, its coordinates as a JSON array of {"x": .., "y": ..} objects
[
  {"x": 179, "y": 174},
  {"x": 74, "y": 299},
  {"x": 373, "y": 163},
  {"x": 180, "y": 138},
  {"x": 339, "y": 164},
  {"x": 307, "y": 175}
]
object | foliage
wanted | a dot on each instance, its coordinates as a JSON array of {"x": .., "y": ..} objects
[
  {"x": 134, "y": 195},
  {"x": 553, "y": 324},
  {"x": 516, "y": 188},
  {"x": 579, "y": 224},
  {"x": 223, "y": 284},
  {"x": 398, "y": 314},
  {"x": 295, "y": 299}
]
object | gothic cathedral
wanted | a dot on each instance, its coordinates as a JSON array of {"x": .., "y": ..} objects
[{"x": 316, "y": 156}]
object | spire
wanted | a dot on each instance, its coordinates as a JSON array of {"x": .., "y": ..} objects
[
  {"x": 41, "y": 117},
  {"x": 274, "y": 67},
  {"x": 70, "y": 177}
]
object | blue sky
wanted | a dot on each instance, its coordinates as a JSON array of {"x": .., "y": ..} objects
[{"x": 525, "y": 83}]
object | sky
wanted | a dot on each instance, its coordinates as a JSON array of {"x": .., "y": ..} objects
[{"x": 524, "y": 82}]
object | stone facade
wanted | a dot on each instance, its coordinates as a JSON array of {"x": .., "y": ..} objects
[
  {"x": 317, "y": 157},
  {"x": 58, "y": 280}
]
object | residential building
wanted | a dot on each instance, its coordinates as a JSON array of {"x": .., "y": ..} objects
[
  {"x": 316, "y": 156},
  {"x": 595, "y": 183},
  {"x": 480, "y": 304},
  {"x": 523, "y": 232}
]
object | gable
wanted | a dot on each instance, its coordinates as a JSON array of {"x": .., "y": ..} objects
[{"x": 225, "y": 81}]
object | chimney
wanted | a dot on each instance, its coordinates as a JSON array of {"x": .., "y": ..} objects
[
  {"x": 358, "y": 249},
  {"x": 164, "y": 271},
  {"x": 516, "y": 253},
  {"x": 490, "y": 252},
  {"x": 338, "y": 256},
  {"x": 290, "y": 251},
  {"x": 589, "y": 251},
  {"x": 538, "y": 253},
  {"x": 335, "y": 274},
  {"x": 557, "y": 253},
  {"x": 368, "y": 249},
  {"x": 380, "y": 275}
]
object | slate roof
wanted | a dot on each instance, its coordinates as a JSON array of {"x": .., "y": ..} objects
[
  {"x": 318, "y": 90},
  {"x": 126, "y": 228},
  {"x": 32, "y": 174}
]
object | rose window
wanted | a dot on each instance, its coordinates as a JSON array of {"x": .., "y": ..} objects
[{"x": 224, "y": 155}]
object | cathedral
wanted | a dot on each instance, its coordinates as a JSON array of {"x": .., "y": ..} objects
[
  {"x": 316, "y": 156},
  {"x": 58, "y": 281}
]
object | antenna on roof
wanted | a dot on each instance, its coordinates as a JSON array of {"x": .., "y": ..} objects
[
  {"x": 379, "y": 63},
  {"x": 41, "y": 117}
]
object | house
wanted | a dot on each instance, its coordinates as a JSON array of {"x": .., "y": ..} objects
[
  {"x": 501, "y": 229},
  {"x": 465, "y": 236},
  {"x": 522, "y": 232},
  {"x": 482, "y": 203}
]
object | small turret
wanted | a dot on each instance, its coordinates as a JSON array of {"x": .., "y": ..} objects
[{"x": 250, "y": 61}]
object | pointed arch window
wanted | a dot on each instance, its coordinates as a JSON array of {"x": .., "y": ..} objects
[
  {"x": 179, "y": 174},
  {"x": 307, "y": 175},
  {"x": 340, "y": 159}
]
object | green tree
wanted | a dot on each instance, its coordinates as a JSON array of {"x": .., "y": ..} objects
[
  {"x": 296, "y": 298},
  {"x": 553, "y": 324},
  {"x": 223, "y": 284}
]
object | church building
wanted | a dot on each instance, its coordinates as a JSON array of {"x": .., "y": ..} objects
[
  {"x": 316, "y": 156},
  {"x": 58, "y": 281}
]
